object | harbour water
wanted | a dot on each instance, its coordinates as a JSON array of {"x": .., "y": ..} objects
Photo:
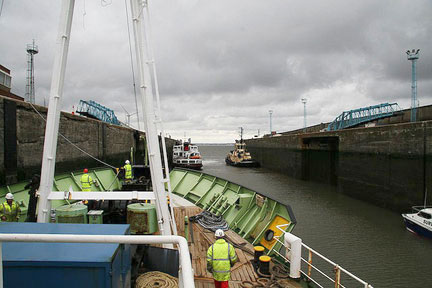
[{"x": 369, "y": 241}]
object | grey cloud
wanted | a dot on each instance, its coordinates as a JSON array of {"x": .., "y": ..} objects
[{"x": 224, "y": 64}]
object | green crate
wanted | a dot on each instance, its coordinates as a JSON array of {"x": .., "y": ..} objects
[{"x": 95, "y": 216}]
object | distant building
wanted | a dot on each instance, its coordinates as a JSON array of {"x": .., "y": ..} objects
[{"x": 6, "y": 84}]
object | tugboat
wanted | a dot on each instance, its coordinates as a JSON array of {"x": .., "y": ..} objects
[
  {"x": 186, "y": 155},
  {"x": 240, "y": 157}
]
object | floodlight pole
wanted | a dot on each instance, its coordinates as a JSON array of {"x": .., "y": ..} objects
[
  {"x": 304, "y": 100},
  {"x": 270, "y": 115},
  {"x": 413, "y": 56}
]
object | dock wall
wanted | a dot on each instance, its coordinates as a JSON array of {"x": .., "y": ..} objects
[
  {"x": 22, "y": 132},
  {"x": 389, "y": 165}
]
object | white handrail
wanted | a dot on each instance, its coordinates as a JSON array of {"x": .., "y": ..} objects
[
  {"x": 101, "y": 195},
  {"x": 310, "y": 250},
  {"x": 334, "y": 264},
  {"x": 186, "y": 277}
]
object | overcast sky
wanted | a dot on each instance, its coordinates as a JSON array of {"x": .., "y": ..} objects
[{"x": 225, "y": 64}]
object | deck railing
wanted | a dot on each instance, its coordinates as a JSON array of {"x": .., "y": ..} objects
[
  {"x": 309, "y": 266},
  {"x": 186, "y": 277}
]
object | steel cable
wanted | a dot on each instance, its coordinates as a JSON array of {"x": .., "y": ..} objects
[
  {"x": 132, "y": 67},
  {"x": 74, "y": 145},
  {"x": 1, "y": 7}
]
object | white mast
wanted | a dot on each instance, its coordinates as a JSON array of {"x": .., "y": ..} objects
[
  {"x": 53, "y": 118},
  {"x": 150, "y": 119},
  {"x": 151, "y": 62}
]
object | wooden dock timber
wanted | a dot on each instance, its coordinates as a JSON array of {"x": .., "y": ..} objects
[{"x": 202, "y": 239}]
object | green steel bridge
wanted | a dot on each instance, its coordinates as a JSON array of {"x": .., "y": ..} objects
[{"x": 355, "y": 117}]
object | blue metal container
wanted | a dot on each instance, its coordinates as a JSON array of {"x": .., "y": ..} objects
[{"x": 65, "y": 264}]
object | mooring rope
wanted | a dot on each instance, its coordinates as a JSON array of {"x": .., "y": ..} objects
[
  {"x": 276, "y": 279},
  {"x": 259, "y": 283},
  {"x": 210, "y": 221},
  {"x": 280, "y": 271},
  {"x": 156, "y": 279}
]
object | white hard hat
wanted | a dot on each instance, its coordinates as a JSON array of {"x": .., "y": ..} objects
[
  {"x": 127, "y": 162},
  {"x": 9, "y": 196},
  {"x": 219, "y": 233}
]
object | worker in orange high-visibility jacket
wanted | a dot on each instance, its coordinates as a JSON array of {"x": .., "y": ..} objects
[{"x": 221, "y": 256}]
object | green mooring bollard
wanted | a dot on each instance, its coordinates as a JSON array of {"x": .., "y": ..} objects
[{"x": 186, "y": 230}]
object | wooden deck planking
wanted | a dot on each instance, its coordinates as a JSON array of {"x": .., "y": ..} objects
[{"x": 202, "y": 239}]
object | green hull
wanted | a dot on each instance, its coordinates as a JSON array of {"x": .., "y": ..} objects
[
  {"x": 105, "y": 177},
  {"x": 247, "y": 212}
]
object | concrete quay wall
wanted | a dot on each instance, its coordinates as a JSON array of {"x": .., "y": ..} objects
[
  {"x": 22, "y": 132},
  {"x": 389, "y": 166}
]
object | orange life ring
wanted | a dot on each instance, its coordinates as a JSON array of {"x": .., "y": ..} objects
[{"x": 195, "y": 157}]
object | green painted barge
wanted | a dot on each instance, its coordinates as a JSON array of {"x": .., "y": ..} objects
[
  {"x": 105, "y": 180},
  {"x": 248, "y": 213},
  {"x": 252, "y": 215},
  {"x": 254, "y": 219}
]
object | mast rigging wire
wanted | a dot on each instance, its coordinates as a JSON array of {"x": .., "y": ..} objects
[
  {"x": 1, "y": 7},
  {"x": 105, "y": 3},
  {"x": 132, "y": 68},
  {"x": 74, "y": 145},
  {"x": 84, "y": 13}
]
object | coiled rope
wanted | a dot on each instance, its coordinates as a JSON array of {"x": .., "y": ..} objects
[
  {"x": 156, "y": 279},
  {"x": 210, "y": 221},
  {"x": 278, "y": 278},
  {"x": 280, "y": 271},
  {"x": 260, "y": 282}
]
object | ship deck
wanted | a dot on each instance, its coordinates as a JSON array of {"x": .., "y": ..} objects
[{"x": 199, "y": 241}]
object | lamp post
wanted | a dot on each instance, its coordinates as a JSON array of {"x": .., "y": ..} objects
[
  {"x": 270, "y": 114},
  {"x": 413, "y": 56},
  {"x": 304, "y": 100}
]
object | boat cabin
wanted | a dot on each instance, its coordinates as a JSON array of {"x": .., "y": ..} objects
[
  {"x": 425, "y": 213},
  {"x": 187, "y": 155}
]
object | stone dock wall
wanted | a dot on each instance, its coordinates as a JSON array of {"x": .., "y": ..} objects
[
  {"x": 22, "y": 132},
  {"x": 388, "y": 165}
]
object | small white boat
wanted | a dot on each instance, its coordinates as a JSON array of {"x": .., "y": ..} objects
[
  {"x": 419, "y": 222},
  {"x": 186, "y": 155}
]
